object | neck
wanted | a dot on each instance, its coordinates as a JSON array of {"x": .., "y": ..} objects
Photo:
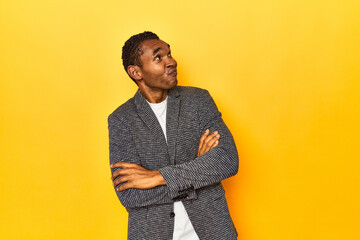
[{"x": 154, "y": 96}]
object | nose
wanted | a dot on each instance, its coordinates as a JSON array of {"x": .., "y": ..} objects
[{"x": 171, "y": 62}]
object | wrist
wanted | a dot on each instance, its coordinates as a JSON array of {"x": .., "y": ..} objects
[{"x": 159, "y": 179}]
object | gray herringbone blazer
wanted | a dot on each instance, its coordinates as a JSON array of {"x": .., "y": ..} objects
[{"x": 136, "y": 136}]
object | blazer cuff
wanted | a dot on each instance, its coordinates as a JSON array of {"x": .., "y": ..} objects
[{"x": 179, "y": 189}]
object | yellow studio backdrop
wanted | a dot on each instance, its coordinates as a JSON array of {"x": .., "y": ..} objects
[{"x": 285, "y": 75}]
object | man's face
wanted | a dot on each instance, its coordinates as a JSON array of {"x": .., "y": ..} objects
[{"x": 158, "y": 66}]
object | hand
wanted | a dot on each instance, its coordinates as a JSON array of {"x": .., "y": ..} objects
[
  {"x": 135, "y": 176},
  {"x": 208, "y": 142}
]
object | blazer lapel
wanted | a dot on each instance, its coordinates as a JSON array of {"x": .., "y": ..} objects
[
  {"x": 172, "y": 121},
  {"x": 148, "y": 117}
]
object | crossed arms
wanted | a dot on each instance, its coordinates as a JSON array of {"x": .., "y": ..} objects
[
  {"x": 137, "y": 186},
  {"x": 135, "y": 176}
]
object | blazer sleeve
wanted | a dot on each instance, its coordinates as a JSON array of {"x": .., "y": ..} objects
[
  {"x": 122, "y": 149},
  {"x": 215, "y": 165}
]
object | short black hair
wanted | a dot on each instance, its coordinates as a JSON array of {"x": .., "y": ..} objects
[{"x": 132, "y": 51}]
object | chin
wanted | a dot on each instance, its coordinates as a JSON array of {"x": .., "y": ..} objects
[{"x": 174, "y": 83}]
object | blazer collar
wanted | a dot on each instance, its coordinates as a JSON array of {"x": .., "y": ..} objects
[
  {"x": 172, "y": 120},
  {"x": 140, "y": 100}
]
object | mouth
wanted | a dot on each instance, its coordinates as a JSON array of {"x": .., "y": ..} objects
[{"x": 172, "y": 73}]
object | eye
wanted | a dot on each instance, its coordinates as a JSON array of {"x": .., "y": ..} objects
[
  {"x": 157, "y": 58},
  {"x": 169, "y": 55}
]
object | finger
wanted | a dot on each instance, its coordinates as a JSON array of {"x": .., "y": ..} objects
[
  {"x": 122, "y": 171},
  {"x": 123, "y": 165},
  {"x": 203, "y": 137},
  {"x": 122, "y": 179},
  {"x": 124, "y": 187},
  {"x": 116, "y": 174},
  {"x": 209, "y": 138},
  {"x": 211, "y": 142},
  {"x": 203, "y": 146},
  {"x": 216, "y": 143},
  {"x": 201, "y": 141}
]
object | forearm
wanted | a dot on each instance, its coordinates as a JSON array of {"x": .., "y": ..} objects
[
  {"x": 132, "y": 197},
  {"x": 211, "y": 167},
  {"x": 215, "y": 165},
  {"x": 122, "y": 149},
  {"x": 146, "y": 191}
]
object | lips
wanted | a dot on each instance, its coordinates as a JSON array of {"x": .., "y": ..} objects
[{"x": 172, "y": 73}]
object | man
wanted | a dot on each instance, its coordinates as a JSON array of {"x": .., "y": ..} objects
[{"x": 166, "y": 155}]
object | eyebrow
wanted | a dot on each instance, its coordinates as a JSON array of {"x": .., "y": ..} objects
[{"x": 158, "y": 49}]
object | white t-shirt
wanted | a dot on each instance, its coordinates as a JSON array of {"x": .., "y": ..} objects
[{"x": 183, "y": 229}]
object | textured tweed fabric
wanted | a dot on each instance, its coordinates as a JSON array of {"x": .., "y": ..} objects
[{"x": 136, "y": 136}]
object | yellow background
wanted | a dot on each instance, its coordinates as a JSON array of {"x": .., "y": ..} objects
[{"x": 285, "y": 74}]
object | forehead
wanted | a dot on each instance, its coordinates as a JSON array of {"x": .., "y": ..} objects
[{"x": 149, "y": 46}]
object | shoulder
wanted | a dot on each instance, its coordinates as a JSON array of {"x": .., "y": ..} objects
[
  {"x": 199, "y": 99},
  {"x": 192, "y": 93},
  {"x": 124, "y": 111}
]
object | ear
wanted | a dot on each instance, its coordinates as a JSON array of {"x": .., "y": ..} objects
[{"x": 134, "y": 72}]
